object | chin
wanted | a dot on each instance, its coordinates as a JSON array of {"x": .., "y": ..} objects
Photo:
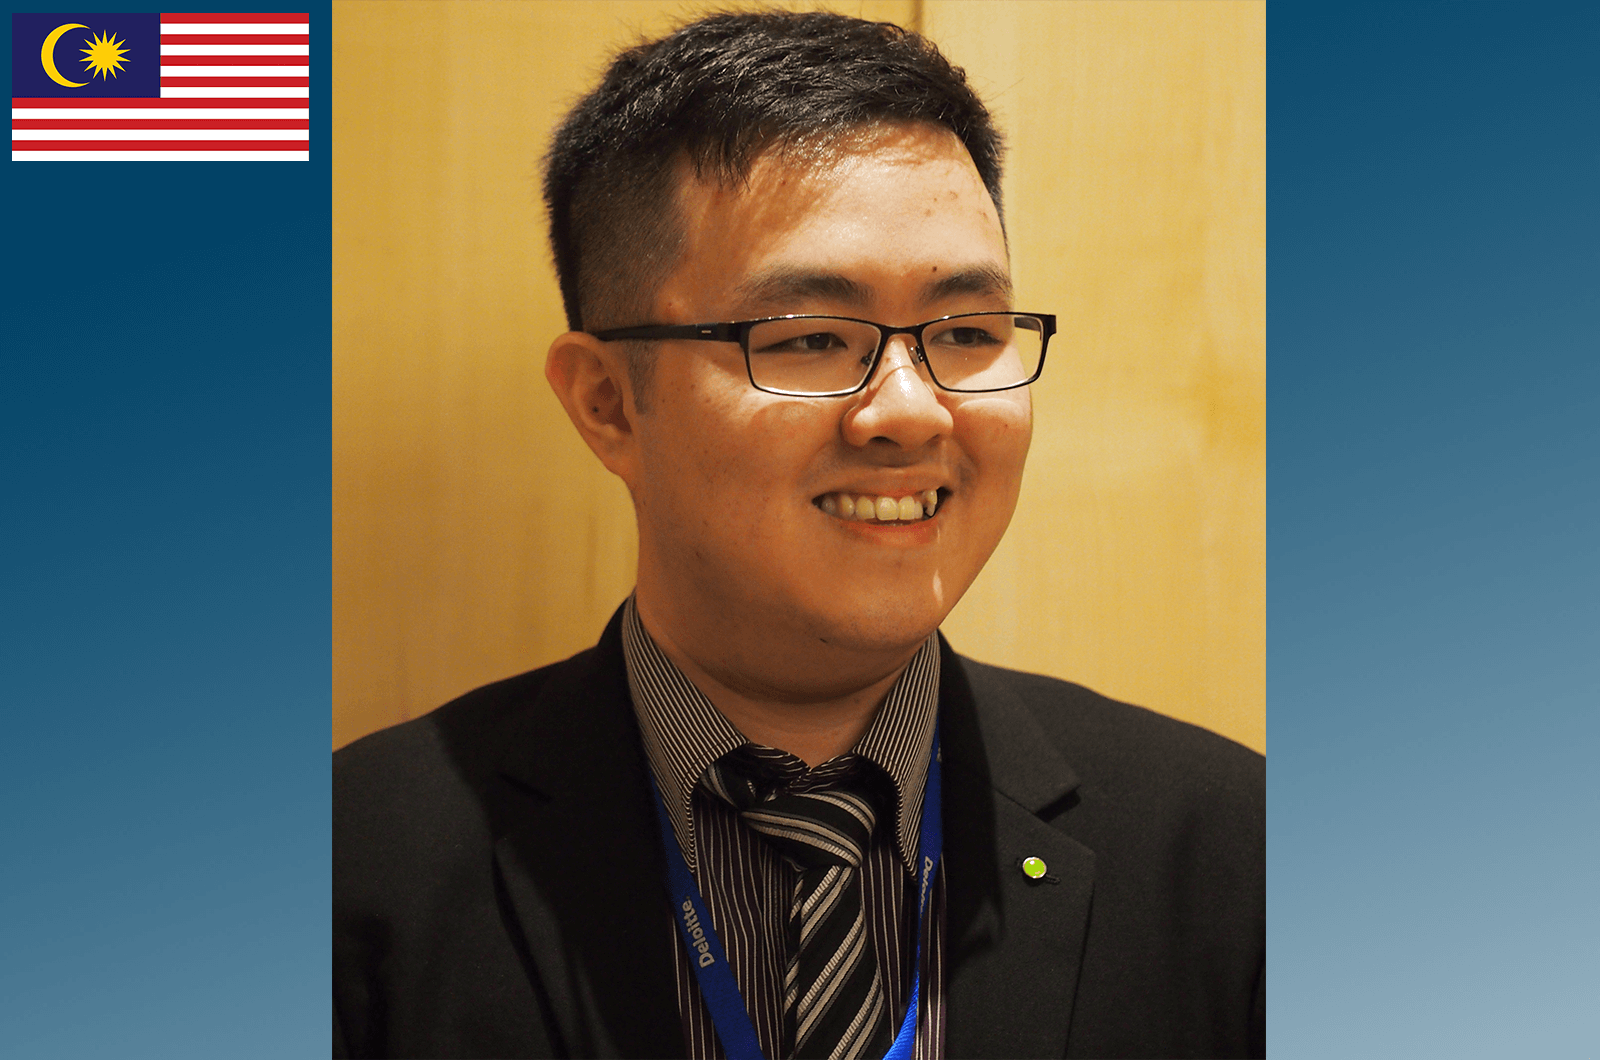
[{"x": 878, "y": 626}]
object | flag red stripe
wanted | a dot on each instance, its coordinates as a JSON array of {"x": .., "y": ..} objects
[
  {"x": 68, "y": 124},
  {"x": 160, "y": 145},
  {"x": 233, "y": 60},
  {"x": 154, "y": 103},
  {"x": 233, "y": 16},
  {"x": 235, "y": 38},
  {"x": 235, "y": 82}
]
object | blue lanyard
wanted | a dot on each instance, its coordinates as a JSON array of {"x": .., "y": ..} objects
[{"x": 711, "y": 962}]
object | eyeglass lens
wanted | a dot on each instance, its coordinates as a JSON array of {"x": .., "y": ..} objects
[{"x": 821, "y": 355}]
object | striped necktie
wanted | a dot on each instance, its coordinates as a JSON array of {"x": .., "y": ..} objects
[{"x": 833, "y": 993}]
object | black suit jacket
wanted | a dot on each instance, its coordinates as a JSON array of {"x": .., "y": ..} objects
[{"x": 498, "y": 876}]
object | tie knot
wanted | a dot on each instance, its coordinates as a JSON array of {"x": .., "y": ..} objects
[
  {"x": 826, "y": 818},
  {"x": 816, "y": 828}
]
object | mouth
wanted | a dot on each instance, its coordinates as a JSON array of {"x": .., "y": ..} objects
[{"x": 866, "y": 507}]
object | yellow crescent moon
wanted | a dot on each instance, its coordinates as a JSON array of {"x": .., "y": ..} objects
[{"x": 47, "y": 55}]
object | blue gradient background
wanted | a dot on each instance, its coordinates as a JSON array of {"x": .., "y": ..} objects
[
  {"x": 1433, "y": 530},
  {"x": 1433, "y": 567},
  {"x": 164, "y": 669}
]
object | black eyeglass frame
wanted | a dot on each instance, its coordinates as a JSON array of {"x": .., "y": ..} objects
[{"x": 739, "y": 331}]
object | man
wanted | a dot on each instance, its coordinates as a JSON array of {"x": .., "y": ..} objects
[{"x": 772, "y": 811}]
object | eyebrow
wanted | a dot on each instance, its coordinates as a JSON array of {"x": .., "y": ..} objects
[
  {"x": 779, "y": 288},
  {"x": 978, "y": 279}
]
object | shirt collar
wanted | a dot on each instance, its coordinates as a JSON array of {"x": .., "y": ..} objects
[{"x": 684, "y": 734}]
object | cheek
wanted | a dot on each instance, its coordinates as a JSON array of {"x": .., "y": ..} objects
[
  {"x": 995, "y": 431},
  {"x": 718, "y": 457}
]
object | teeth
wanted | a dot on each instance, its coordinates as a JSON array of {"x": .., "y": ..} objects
[{"x": 885, "y": 509}]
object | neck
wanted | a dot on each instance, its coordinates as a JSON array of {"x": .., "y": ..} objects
[{"x": 814, "y": 724}]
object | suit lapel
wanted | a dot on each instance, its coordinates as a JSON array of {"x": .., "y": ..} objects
[
  {"x": 581, "y": 868},
  {"x": 1013, "y": 946}
]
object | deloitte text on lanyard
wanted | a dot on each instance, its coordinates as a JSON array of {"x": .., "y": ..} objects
[{"x": 711, "y": 963}]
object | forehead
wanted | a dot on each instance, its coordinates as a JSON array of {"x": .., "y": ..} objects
[{"x": 850, "y": 222}]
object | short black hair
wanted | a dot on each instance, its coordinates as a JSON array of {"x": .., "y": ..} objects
[{"x": 717, "y": 93}]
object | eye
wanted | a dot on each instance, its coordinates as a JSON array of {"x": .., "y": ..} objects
[
  {"x": 965, "y": 337},
  {"x": 811, "y": 342}
]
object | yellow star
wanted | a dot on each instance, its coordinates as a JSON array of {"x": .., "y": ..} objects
[{"x": 104, "y": 55}]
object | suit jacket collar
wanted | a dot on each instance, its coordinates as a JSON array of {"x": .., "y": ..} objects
[
  {"x": 581, "y": 863},
  {"x": 593, "y": 915},
  {"x": 1013, "y": 946}
]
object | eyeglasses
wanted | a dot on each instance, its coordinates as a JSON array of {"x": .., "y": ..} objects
[{"x": 816, "y": 356}]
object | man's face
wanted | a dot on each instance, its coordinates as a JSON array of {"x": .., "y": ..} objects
[{"x": 737, "y": 550}]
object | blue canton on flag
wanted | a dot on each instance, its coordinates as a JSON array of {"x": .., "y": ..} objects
[
  {"x": 161, "y": 87},
  {"x": 61, "y": 56}
]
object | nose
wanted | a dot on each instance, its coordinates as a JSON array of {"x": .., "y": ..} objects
[{"x": 898, "y": 404}]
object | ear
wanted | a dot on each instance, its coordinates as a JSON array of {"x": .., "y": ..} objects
[{"x": 590, "y": 378}]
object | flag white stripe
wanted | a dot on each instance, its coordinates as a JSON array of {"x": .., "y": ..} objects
[
  {"x": 161, "y": 156},
  {"x": 160, "y": 134},
  {"x": 214, "y": 92},
  {"x": 142, "y": 114},
  {"x": 234, "y": 29},
  {"x": 235, "y": 71},
  {"x": 236, "y": 49}
]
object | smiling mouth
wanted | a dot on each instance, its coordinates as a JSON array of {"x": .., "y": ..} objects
[{"x": 862, "y": 507}]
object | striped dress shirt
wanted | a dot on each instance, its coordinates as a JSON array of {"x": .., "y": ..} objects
[{"x": 747, "y": 885}]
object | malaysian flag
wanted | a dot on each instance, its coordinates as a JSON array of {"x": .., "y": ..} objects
[{"x": 161, "y": 88}]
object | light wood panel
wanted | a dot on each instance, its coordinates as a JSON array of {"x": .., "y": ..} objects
[
  {"x": 474, "y": 536},
  {"x": 1136, "y": 203}
]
